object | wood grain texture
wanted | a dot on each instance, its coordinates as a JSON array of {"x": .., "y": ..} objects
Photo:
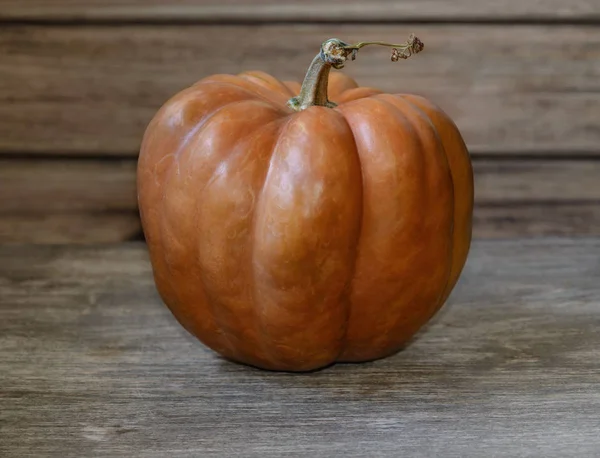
[
  {"x": 536, "y": 219},
  {"x": 91, "y": 363},
  {"x": 74, "y": 228},
  {"x": 67, "y": 185},
  {"x": 94, "y": 201},
  {"x": 547, "y": 180},
  {"x": 79, "y": 90},
  {"x": 305, "y": 10},
  {"x": 527, "y": 219},
  {"x": 67, "y": 201}
]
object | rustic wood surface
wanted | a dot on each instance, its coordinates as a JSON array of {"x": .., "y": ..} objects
[
  {"x": 533, "y": 219},
  {"x": 299, "y": 10},
  {"x": 526, "y": 89},
  {"x": 95, "y": 200},
  {"x": 72, "y": 185},
  {"x": 67, "y": 185},
  {"x": 80, "y": 79},
  {"x": 51, "y": 227},
  {"x": 68, "y": 201},
  {"x": 92, "y": 364}
]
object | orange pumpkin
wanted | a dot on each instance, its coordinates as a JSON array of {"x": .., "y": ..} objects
[{"x": 289, "y": 233}]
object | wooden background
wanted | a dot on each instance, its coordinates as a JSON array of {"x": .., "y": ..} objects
[{"x": 80, "y": 79}]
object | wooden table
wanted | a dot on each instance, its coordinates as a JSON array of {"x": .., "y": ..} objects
[{"x": 92, "y": 364}]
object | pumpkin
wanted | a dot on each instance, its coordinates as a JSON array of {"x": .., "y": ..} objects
[{"x": 290, "y": 227}]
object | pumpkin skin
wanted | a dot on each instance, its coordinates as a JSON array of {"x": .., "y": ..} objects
[{"x": 292, "y": 240}]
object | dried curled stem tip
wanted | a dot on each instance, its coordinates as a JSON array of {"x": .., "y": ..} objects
[
  {"x": 399, "y": 51},
  {"x": 413, "y": 46}
]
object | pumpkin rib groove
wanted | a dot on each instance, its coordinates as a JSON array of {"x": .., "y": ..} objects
[
  {"x": 235, "y": 149},
  {"x": 258, "y": 208},
  {"x": 339, "y": 83},
  {"x": 385, "y": 338},
  {"x": 265, "y": 353},
  {"x": 272, "y": 83},
  {"x": 222, "y": 347},
  {"x": 298, "y": 274},
  {"x": 196, "y": 130},
  {"x": 460, "y": 165},
  {"x": 357, "y": 93},
  {"x": 254, "y": 90},
  {"x": 444, "y": 158},
  {"x": 240, "y": 140},
  {"x": 391, "y": 102},
  {"x": 348, "y": 289},
  {"x": 415, "y": 113},
  {"x": 444, "y": 155},
  {"x": 173, "y": 173},
  {"x": 353, "y": 106}
]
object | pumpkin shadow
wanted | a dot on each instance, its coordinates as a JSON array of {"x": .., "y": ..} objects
[{"x": 375, "y": 379}]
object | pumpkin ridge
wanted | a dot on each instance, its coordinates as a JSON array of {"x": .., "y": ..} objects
[
  {"x": 296, "y": 273},
  {"x": 338, "y": 83},
  {"x": 198, "y": 128},
  {"x": 255, "y": 90},
  {"x": 235, "y": 149},
  {"x": 258, "y": 306},
  {"x": 389, "y": 98},
  {"x": 168, "y": 184},
  {"x": 383, "y": 337},
  {"x": 416, "y": 108},
  {"x": 352, "y": 273},
  {"x": 384, "y": 98},
  {"x": 283, "y": 121},
  {"x": 460, "y": 166},
  {"x": 270, "y": 81},
  {"x": 244, "y": 137}
]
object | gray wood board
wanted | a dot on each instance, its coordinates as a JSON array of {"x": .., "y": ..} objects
[
  {"x": 93, "y": 90},
  {"x": 299, "y": 10},
  {"x": 66, "y": 185},
  {"x": 70, "y": 200},
  {"x": 43, "y": 227},
  {"x": 92, "y": 364}
]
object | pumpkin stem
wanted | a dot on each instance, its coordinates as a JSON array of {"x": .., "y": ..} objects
[{"x": 334, "y": 53}]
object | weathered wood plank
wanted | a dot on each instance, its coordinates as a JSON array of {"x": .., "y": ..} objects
[
  {"x": 514, "y": 180},
  {"x": 490, "y": 221},
  {"x": 71, "y": 228},
  {"x": 533, "y": 90},
  {"x": 67, "y": 201},
  {"x": 91, "y": 363},
  {"x": 88, "y": 201},
  {"x": 69, "y": 185},
  {"x": 292, "y": 11},
  {"x": 536, "y": 219}
]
